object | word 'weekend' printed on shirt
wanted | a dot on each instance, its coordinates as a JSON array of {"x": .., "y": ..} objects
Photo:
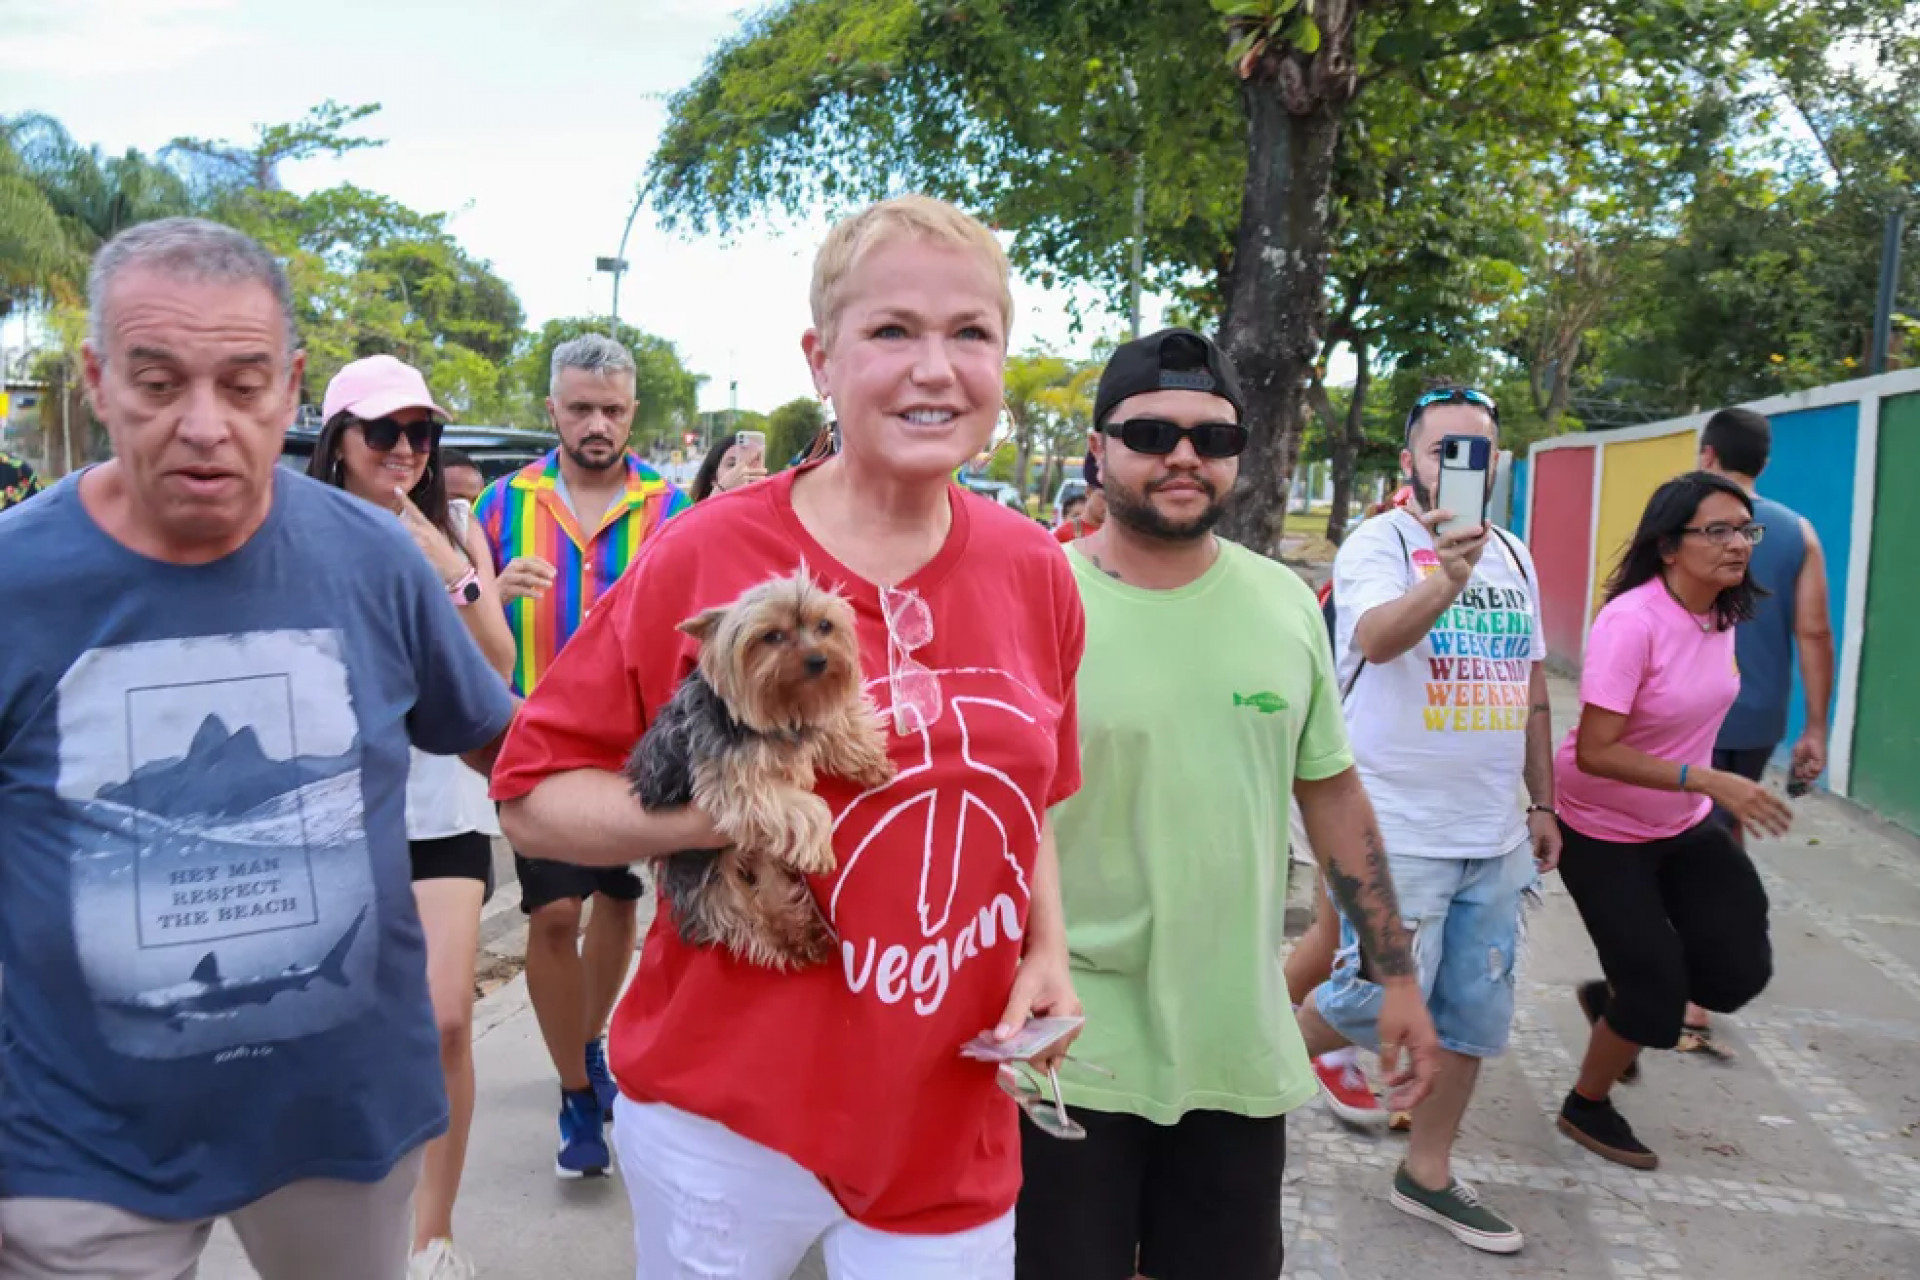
[{"x": 1481, "y": 658}]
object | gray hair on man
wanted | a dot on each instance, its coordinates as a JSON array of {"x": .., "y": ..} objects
[
  {"x": 186, "y": 249},
  {"x": 593, "y": 352}
]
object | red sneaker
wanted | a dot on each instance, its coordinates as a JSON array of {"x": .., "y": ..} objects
[{"x": 1348, "y": 1095}]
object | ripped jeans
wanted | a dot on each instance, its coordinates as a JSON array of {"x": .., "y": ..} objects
[{"x": 1465, "y": 917}]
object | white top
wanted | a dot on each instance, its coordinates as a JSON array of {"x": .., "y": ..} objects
[
  {"x": 444, "y": 797},
  {"x": 1440, "y": 733}
]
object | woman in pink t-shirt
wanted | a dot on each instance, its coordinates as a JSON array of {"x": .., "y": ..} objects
[{"x": 1672, "y": 902}]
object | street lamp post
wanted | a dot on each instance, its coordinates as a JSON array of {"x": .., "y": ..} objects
[{"x": 616, "y": 266}]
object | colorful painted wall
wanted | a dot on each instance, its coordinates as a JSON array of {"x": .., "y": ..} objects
[
  {"x": 1886, "y": 739},
  {"x": 1839, "y": 456},
  {"x": 1559, "y": 532}
]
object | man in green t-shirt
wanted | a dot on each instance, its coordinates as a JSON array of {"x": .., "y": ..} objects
[{"x": 1206, "y": 696}]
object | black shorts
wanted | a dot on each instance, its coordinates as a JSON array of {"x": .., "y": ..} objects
[
  {"x": 1673, "y": 920},
  {"x": 467, "y": 856},
  {"x": 543, "y": 882},
  {"x": 1195, "y": 1200}
]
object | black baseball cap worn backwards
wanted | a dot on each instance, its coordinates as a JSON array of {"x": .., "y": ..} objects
[{"x": 1170, "y": 360}]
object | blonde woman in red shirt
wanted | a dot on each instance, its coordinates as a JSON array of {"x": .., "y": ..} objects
[{"x": 760, "y": 1110}]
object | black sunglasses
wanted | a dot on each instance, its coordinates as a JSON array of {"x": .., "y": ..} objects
[
  {"x": 1158, "y": 437},
  {"x": 382, "y": 434}
]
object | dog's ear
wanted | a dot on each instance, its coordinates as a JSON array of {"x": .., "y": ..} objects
[{"x": 701, "y": 625}]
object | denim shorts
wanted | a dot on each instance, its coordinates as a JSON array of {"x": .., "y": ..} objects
[{"x": 1465, "y": 915}]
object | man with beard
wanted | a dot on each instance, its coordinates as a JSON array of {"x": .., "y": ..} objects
[
  {"x": 1441, "y": 660},
  {"x": 563, "y": 530},
  {"x": 1207, "y": 694}
]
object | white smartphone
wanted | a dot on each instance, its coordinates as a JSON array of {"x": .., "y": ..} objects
[
  {"x": 1466, "y": 464},
  {"x": 752, "y": 444},
  {"x": 1037, "y": 1035}
]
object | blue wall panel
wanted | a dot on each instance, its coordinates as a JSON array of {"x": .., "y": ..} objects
[
  {"x": 1811, "y": 470},
  {"x": 1517, "y": 521}
]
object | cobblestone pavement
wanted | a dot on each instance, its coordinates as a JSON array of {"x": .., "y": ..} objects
[{"x": 1799, "y": 1158}]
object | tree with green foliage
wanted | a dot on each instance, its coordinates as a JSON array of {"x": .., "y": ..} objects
[
  {"x": 225, "y": 168},
  {"x": 666, "y": 392},
  {"x": 65, "y": 200},
  {"x": 1041, "y": 117},
  {"x": 1028, "y": 377},
  {"x": 791, "y": 428}
]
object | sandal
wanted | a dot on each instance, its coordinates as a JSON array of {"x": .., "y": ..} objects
[{"x": 1699, "y": 1039}]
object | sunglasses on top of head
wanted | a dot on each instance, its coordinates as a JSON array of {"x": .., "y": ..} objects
[
  {"x": 383, "y": 434},
  {"x": 1452, "y": 395},
  {"x": 1158, "y": 437}
]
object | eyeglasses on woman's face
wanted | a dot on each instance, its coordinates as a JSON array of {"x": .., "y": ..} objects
[{"x": 1723, "y": 533}]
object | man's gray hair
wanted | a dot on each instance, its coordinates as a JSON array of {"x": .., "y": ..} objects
[
  {"x": 593, "y": 352},
  {"x": 188, "y": 249}
]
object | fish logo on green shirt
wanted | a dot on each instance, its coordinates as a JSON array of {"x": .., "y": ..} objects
[{"x": 1265, "y": 703}]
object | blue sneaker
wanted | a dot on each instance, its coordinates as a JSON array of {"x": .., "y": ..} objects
[
  {"x": 604, "y": 1089},
  {"x": 583, "y": 1148}
]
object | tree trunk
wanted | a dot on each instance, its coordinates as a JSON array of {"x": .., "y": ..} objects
[
  {"x": 1562, "y": 393},
  {"x": 1023, "y": 458},
  {"x": 1346, "y": 446},
  {"x": 1276, "y": 299}
]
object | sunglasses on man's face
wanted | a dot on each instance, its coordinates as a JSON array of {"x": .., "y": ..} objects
[
  {"x": 383, "y": 434},
  {"x": 1157, "y": 437}
]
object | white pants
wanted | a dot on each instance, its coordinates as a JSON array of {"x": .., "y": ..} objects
[{"x": 709, "y": 1203}]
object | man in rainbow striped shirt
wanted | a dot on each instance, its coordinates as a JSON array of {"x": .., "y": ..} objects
[{"x": 563, "y": 530}]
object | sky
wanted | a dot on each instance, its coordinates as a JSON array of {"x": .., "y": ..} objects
[{"x": 530, "y": 122}]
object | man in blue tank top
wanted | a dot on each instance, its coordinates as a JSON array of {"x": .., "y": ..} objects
[{"x": 1792, "y": 617}]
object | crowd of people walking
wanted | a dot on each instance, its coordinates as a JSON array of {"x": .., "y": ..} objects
[{"x": 255, "y": 749}]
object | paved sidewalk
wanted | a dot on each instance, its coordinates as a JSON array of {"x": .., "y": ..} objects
[{"x": 1801, "y": 1158}]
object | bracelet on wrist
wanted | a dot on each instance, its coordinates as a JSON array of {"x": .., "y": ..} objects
[
  {"x": 1547, "y": 809},
  {"x": 1683, "y": 777}
]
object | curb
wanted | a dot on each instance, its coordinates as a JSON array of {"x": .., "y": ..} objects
[{"x": 501, "y": 915}]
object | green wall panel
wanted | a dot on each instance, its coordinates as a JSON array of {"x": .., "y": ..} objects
[{"x": 1886, "y": 738}]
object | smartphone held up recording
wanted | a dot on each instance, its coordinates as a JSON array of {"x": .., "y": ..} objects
[
  {"x": 1466, "y": 469},
  {"x": 753, "y": 448}
]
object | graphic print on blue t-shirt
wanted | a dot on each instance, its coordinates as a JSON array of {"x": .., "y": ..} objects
[{"x": 222, "y": 884}]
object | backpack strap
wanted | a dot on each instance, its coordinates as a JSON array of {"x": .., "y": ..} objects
[
  {"x": 1513, "y": 554},
  {"x": 1354, "y": 679}
]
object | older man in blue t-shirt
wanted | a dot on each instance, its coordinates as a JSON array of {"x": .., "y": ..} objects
[{"x": 215, "y": 998}]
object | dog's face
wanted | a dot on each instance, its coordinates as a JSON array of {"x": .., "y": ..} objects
[{"x": 785, "y": 655}]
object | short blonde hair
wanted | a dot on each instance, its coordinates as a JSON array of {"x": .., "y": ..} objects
[{"x": 901, "y": 218}]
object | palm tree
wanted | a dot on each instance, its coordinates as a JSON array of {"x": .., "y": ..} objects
[
  {"x": 96, "y": 196},
  {"x": 36, "y": 258},
  {"x": 1028, "y": 379},
  {"x": 59, "y": 202},
  {"x": 1066, "y": 412}
]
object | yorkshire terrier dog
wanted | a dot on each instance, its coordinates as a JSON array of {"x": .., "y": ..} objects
[{"x": 776, "y": 697}]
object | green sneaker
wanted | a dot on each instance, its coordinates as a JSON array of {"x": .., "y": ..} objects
[{"x": 1459, "y": 1210}]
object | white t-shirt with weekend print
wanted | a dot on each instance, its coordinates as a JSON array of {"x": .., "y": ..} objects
[{"x": 1440, "y": 733}]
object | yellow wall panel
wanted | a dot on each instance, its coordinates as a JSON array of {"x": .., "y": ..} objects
[{"x": 1630, "y": 472}]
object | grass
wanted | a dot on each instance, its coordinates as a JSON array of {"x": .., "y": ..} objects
[{"x": 1308, "y": 524}]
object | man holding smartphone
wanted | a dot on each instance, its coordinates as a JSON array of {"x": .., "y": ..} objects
[{"x": 1440, "y": 656}]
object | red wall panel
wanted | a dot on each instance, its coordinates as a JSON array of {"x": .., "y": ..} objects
[{"x": 1560, "y": 535}]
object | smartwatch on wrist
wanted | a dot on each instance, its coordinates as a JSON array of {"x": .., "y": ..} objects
[{"x": 466, "y": 589}]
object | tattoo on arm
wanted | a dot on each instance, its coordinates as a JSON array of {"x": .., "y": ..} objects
[{"x": 1366, "y": 897}]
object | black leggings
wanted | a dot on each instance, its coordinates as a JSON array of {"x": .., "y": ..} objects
[{"x": 1679, "y": 919}]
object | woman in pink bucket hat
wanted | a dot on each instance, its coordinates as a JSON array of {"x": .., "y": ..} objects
[{"x": 381, "y": 443}]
